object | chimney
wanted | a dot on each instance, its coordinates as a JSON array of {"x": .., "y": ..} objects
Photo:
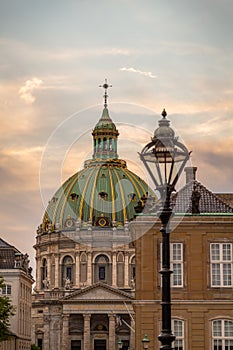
[{"x": 190, "y": 173}]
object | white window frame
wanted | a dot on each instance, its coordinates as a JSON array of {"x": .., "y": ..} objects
[
  {"x": 175, "y": 261},
  {"x": 219, "y": 263},
  {"x": 178, "y": 344},
  {"x": 221, "y": 339},
  {"x": 7, "y": 289}
]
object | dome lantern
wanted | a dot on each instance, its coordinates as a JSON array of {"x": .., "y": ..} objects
[{"x": 105, "y": 133}]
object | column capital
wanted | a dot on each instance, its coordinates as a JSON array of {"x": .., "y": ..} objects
[
  {"x": 65, "y": 317},
  {"x": 111, "y": 316},
  {"x": 87, "y": 316}
]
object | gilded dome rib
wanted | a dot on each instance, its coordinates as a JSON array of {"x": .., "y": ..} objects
[
  {"x": 67, "y": 196},
  {"x": 133, "y": 182},
  {"x": 135, "y": 178},
  {"x": 61, "y": 197},
  {"x": 112, "y": 195},
  {"x": 84, "y": 192},
  {"x": 122, "y": 195},
  {"x": 93, "y": 193}
]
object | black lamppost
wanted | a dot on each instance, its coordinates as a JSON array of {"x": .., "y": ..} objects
[{"x": 164, "y": 158}]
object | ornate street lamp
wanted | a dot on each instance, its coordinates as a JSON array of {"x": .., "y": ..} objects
[
  {"x": 145, "y": 342},
  {"x": 164, "y": 158}
]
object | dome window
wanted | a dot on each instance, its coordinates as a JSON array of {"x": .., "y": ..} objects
[
  {"x": 132, "y": 197},
  {"x": 74, "y": 196},
  {"x": 54, "y": 199},
  {"x": 103, "y": 195},
  {"x": 103, "y": 176}
]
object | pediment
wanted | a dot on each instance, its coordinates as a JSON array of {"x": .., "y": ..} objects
[{"x": 98, "y": 292}]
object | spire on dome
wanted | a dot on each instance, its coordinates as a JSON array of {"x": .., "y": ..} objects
[
  {"x": 105, "y": 86},
  {"x": 105, "y": 133}
]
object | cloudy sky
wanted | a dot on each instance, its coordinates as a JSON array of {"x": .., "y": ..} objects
[{"x": 175, "y": 54}]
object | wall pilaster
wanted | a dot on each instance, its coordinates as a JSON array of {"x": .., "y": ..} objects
[
  {"x": 126, "y": 270},
  {"x": 65, "y": 332},
  {"x": 87, "y": 332},
  {"x": 112, "y": 335}
]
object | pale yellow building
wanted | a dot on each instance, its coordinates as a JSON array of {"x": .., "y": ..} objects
[{"x": 15, "y": 269}]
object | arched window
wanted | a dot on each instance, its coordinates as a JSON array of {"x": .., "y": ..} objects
[
  {"x": 222, "y": 334},
  {"x": 120, "y": 270},
  {"x": 83, "y": 267},
  {"x": 44, "y": 274},
  {"x": 102, "y": 269},
  {"x": 178, "y": 329},
  {"x": 132, "y": 273},
  {"x": 67, "y": 270},
  {"x": 110, "y": 144}
]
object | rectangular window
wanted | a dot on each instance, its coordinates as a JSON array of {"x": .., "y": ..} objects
[
  {"x": 178, "y": 330},
  {"x": 101, "y": 273},
  {"x": 177, "y": 264},
  {"x": 6, "y": 290},
  {"x": 75, "y": 344},
  {"x": 221, "y": 264},
  {"x": 40, "y": 343}
]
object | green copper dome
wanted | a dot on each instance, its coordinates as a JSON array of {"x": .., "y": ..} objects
[{"x": 105, "y": 193}]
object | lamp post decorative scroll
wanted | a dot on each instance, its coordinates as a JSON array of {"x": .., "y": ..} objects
[{"x": 164, "y": 158}]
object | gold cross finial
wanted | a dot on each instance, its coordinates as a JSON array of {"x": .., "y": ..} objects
[{"x": 105, "y": 86}]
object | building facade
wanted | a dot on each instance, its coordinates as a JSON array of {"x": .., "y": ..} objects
[
  {"x": 85, "y": 258},
  {"x": 201, "y": 254},
  {"x": 15, "y": 269}
]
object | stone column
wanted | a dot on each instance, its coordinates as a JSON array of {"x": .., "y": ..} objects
[
  {"x": 56, "y": 278},
  {"x": 89, "y": 268},
  {"x": 112, "y": 335},
  {"x": 77, "y": 270},
  {"x": 49, "y": 270},
  {"x": 126, "y": 270},
  {"x": 87, "y": 332},
  {"x": 46, "y": 339},
  {"x": 65, "y": 333},
  {"x": 114, "y": 270}
]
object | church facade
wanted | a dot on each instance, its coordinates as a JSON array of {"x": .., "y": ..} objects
[{"x": 85, "y": 258}]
